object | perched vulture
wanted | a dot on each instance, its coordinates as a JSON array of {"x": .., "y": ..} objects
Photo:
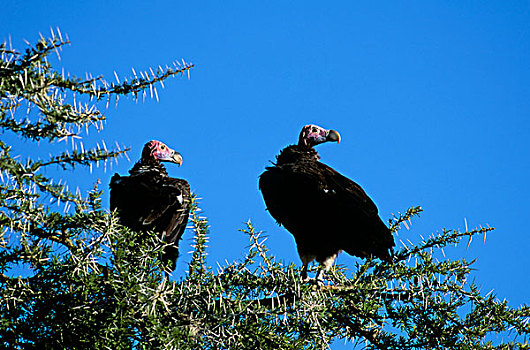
[
  {"x": 149, "y": 200},
  {"x": 325, "y": 211}
]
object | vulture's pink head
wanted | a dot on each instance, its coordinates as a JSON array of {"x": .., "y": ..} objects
[
  {"x": 312, "y": 135},
  {"x": 158, "y": 151}
]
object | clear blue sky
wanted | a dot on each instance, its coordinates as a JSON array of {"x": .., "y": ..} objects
[{"x": 432, "y": 102}]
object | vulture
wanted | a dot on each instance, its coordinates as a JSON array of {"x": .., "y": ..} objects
[
  {"x": 325, "y": 211},
  {"x": 149, "y": 200}
]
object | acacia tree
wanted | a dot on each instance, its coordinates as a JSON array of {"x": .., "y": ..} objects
[{"x": 88, "y": 286}]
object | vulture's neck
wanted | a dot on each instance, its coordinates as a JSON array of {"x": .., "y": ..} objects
[
  {"x": 154, "y": 167},
  {"x": 296, "y": 153}
]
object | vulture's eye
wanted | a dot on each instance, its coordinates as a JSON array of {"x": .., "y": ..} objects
[
  {"x": 163, "y": 147},
  {"x": 313, "y": 129}
]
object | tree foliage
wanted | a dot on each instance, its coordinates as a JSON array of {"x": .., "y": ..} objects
[{"x": 92, "y": 283}]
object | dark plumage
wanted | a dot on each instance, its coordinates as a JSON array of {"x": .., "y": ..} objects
[
  {"x": 150, "y": 200},
  {"x": 325, "y": 211}
]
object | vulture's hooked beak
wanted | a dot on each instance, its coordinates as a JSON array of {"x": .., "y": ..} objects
[
  {"x": 333, "y": 135},
  {"x": 176, "y": 158}
]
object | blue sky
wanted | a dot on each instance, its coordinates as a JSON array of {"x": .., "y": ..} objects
[{"x": 432, "y": 101}]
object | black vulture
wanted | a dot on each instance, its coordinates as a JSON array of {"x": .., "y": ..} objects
[
  {"x": 325, "y": 211},
  {"x": 149, "y": 200}
]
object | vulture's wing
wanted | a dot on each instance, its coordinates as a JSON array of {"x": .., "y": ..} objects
[
  {"x": 145, "y": 202},
  {"x": 336, "y": 186},
  {"x": 349, "y": 206},
  {"x": 176, "y": 222},
  {"x": 180, "y": 219},
  {"x": 316, "y": 203},
  {"x": 316, "y": 182}
]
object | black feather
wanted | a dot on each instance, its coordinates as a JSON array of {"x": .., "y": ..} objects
[
  {"x": 150, "y": 200},
  {"x": 325, "y": 211}
]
